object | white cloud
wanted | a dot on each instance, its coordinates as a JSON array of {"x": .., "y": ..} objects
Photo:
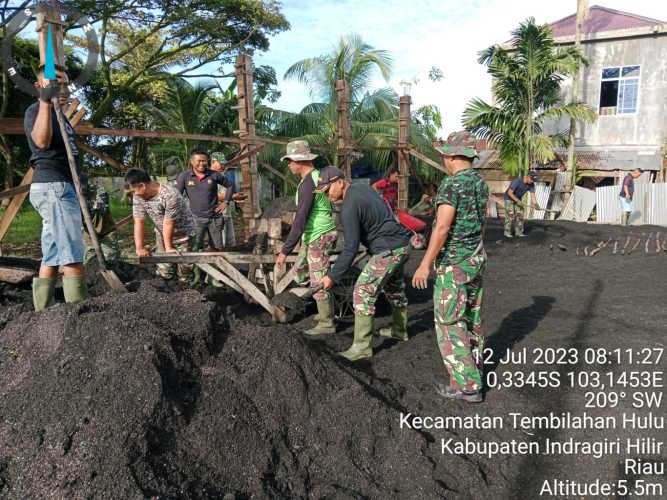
[{"x": 447, "y": 34}]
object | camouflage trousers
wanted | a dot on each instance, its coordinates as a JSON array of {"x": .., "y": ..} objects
[
  {"x": 185, "y": 272},
  {"x": 513, "y": 217},
  {"x": 382, "y": 273},
  {"x": 313, "y": 263},
  {"x": 108, "y": 244},
  {"x": 457, "y": 302}
]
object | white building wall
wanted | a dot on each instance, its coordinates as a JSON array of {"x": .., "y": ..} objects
[{"x": 648, "y": 127}]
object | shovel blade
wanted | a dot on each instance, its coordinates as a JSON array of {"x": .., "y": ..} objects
[{"x": 114, "y": 281}]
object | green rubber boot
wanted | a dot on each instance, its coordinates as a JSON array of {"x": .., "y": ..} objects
[
  {"x": 75, "y": 289},
  {"x": 399, "y": 325},
  {"x": 43, "y": 292},
  {"x": 363, "y": 336},
  {"x": 325, "y": 319}
]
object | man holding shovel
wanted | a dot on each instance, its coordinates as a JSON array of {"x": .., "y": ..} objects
[
  {"x": 368, "y": 220},
  {"x": 315, "y": 228},
  {"x": 513, "y": 204},
  {"x": 170, "y": 214},
  {"x": 53, "y": 195}
]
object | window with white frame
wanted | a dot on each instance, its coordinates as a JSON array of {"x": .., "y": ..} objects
[{"x": 619, "y": 90}]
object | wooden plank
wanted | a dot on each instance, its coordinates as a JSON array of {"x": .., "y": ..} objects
[
  {"x": 243, "y": 156},
  {"x": 246, "y": 285},
  {"x": 15, "y": 205},
  {"x": 102, "y": 156},
  {"x": 427, "y": 160},
  {"x": 217, "y": 274},
  {"x": 16, "y": 276},
  {"x": 278, "y": 173},
  {"x": 404, "y": 118},
  {"x": 72, "y": 104},
  {"x": 211, "y": 258},
  {"x": 285, "y": 280},
  {"x": 78, "y": 116},
  {"x": 14, "y": 126},
  {"x": 343, "y": 131},
  {"x": 10, "y": 193}
]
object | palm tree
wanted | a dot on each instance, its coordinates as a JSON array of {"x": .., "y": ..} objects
[
  {"x": 526, "y": 85},
  {"x": 373, "y": 113},
  {"x": 190, "y": 109}
]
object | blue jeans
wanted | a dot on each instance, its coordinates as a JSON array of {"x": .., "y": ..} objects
[{"x": 62, "y": 237}]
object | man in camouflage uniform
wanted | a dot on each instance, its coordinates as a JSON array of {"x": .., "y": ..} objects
[
  {"x": 368, "y": 220},
  {"x": 456, "y": 248},
  {"x": 513, "y": 205},
  {"x": 99, "y": 207},
  {"x": 315, "y": 229},
  {"x": 171, "y": 216}
]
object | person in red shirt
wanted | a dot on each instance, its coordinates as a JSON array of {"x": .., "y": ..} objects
[{"x": 388, "y": 188}]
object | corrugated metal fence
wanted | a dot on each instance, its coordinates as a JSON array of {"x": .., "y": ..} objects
[{"x": 650, "y": 204}]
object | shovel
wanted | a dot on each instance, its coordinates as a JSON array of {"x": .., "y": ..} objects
[
  {"x": 287, "y": 305},
  {"x": 109, "y": 276}
]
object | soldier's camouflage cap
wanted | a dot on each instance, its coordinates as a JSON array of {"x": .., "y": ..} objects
[
  {"x": 461, "y": 143},
  {"x": 299, "y": 151},
  {"x": 328, "y": 175},
  {"x": 218, "y": 156}
]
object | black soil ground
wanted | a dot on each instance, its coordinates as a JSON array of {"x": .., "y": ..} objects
[{"x": 168, "y": 394}]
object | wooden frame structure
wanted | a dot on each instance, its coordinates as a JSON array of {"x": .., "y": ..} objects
[{"x": 249, "y": 145}]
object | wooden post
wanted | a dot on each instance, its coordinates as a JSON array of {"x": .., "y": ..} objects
[
  {"x": 403, "y": 156},
  {"x": 15, "y": 205},
  {"x": 246, "y": 105},
  {"x": 343, "y": 128}
]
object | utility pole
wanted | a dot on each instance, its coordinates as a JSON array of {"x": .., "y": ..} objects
[{"x": 582, "y": 13}]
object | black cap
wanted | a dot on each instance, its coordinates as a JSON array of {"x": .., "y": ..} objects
[
  {"x": 328, "y": 175},
  {"x": 533, "y": 175}
]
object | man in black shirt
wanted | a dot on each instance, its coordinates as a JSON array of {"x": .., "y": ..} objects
[
  {"x": 368, "y": 220},
  {"x": 200, "y": 183},
  {"x": 53, "y": 195}
]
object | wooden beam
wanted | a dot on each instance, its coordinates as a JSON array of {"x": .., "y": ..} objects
[
  {"x": 404, "y": 119},
  {"x": 249, "y": 173},
  {"x": 243, "y": 156},
  {"x": 16, "y": 276},
  {"x": 14, "y": 126},
  {"x": 10, "y": 193},
  {"x": 246, "y": 285},
  {"x": 211, "y": 258},
  {"x": 427, "y": 160},
  {"x": 15, "y": 205},
  {"x": 343, "y": 128},
  {"x": 218, "y": 275},
  {"x": 102, "y": 156},
  {"x": 278, "y": 173}
]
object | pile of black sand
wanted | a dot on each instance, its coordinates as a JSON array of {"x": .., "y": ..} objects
[{"x": 156, "y": 395}]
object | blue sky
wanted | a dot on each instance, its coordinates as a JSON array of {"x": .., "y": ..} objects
[{"x": 419, "y": 34}]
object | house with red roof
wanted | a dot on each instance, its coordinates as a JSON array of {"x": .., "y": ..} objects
[{"x": 626, "y": 83}]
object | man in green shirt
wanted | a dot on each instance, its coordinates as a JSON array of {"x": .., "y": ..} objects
[
  {"x": 456, "y": 248},
  {"x": 315, "y": 228}
]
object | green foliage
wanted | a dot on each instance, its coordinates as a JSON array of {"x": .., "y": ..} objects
[
  {"x": 373, "y": 113},
  {"x": 526, "y": 86}
]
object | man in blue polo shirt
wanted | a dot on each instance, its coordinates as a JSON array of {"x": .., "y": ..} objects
[
  {"x": 200, "y": 184},
  {"x": 513, "y": 204}
]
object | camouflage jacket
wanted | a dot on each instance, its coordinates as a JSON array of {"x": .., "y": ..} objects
[{"x": 468, "y": 194}]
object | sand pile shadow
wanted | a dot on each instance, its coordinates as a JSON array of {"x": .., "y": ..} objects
[{"x": 154, "y": 394}]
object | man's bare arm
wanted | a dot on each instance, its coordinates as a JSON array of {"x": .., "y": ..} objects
[{"x": 42, "y": 131}]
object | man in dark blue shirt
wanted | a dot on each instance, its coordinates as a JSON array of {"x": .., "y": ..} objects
[
  {"x": 368, "y": 220},
  {"x": 513, "y": 204},
  {"x": 200, "y": 184},
  {"x": 627, "y": 193}
]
